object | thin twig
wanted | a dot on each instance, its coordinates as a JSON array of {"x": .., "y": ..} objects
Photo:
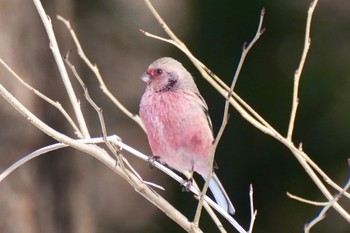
[
  {"x": 96, "y": 71},
  {"x": 253, "y": 212},
  {"x": 245, "y": 51},
  {"x": 204, "y": 71},
  {"x": 112, "y": 148},
  {"x": 134, "y": 117},
  {"x": 322, "y": 214},
  {"x": 62, "y": 69},
  {"x": 206, "y": 205},
  {"x": 301, "y": 159},
  {"x": 56, "y": 104},
  {"x": 297, "y": 74},
  {"x": 57, "y": 146},
  {"x": 104, "y": 157},
  {"x": 176, "y": 177},
  {"x": 45, "y": 150},
  {"x": 246, "y": 113},
  {"x": 115, "y": 150},
  {"x": 325, "y": 177},
  {"x": 208, "y": 75},
  {"x": 242, "y": 107},
  {"x": 315, "y": 203}
]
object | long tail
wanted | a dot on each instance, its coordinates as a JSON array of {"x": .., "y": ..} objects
[{"x": 220, "y": 194}]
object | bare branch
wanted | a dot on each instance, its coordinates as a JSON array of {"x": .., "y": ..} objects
[
  {"x": 297, "y": 74},
  {"x": 103, "y": 156},
  {"x": 96, "y": 71},
  {"x": 115, "y": 150},
  {"x": 245, "y": 51},
  {"x": 253, "y": 212},
  {"x": 56, "y": 104},
  {"x": 134, "y": 117},
  {"x": 44, "y": 150},
  {"x": 315, "y": 203},
  {"x": 62, "y": 69},
  {"x": 245, "y": 110},
  {"x": 325, "y": 177},
  {"x": 115, "y": 145},
  {"x": 322, "y": 214},
  {"x": 300, "y": 156},
  {"x": 248, "y": 113}
]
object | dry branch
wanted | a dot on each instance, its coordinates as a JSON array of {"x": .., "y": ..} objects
[{"x": 250, "y": 115}]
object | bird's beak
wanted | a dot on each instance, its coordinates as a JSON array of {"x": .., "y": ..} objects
[{"x": 145, "y": 77}]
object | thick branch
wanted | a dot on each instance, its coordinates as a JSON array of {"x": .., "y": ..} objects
[{"x": 103, "y": 156}]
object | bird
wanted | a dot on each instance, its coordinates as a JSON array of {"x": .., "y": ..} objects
[{"x": 177, "y": 123}]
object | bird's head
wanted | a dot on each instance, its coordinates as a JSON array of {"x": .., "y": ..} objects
[{"x": 167, "y": 74}]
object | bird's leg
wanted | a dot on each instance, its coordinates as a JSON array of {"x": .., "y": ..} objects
[
  {"x": 152, "y": 159},
  {"x": 188, "y": 183}
]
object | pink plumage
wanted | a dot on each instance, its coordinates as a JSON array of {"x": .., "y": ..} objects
[{"x": 177, "y": 123}]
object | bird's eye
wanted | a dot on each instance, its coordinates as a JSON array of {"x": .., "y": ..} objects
[{"x": 159, "y": 71}]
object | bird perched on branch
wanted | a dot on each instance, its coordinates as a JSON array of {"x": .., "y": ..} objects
[{"x": 177, "y": 123}]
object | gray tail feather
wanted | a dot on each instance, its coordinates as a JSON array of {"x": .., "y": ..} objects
[{"x": 220, "y": 194}]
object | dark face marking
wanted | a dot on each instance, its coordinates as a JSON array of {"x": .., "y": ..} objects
[
  {"x": 169, "y": 79},
  {"x": 170, "y": 85}
]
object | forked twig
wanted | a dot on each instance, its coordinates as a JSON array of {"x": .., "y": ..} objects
[
  {"x": 56, "y": 104},
  {"x": 323, "y": 212},
  {"x": 243, "y": 108},
  {"x": 251, "y": 116},
  {"x": 103, "y": 157},
  {"x": 134, "y": 117},
  {"x": 62, "y": 69},
  {"x": 96, "y": 71},
  {"x": 253, "y": 211},
  {"x": 246, "y": 111},
  {"x": 114, "y": 149}
]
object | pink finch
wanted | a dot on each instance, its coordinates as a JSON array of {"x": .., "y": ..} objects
[{"x": 178, "y": 126}]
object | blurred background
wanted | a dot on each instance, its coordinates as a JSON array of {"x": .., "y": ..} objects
[{"x": 67, "y": 191}]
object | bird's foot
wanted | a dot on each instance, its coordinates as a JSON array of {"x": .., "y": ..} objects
[
  {"x": 152, "y": 159},
  {"x": 187, "y": 185}
]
